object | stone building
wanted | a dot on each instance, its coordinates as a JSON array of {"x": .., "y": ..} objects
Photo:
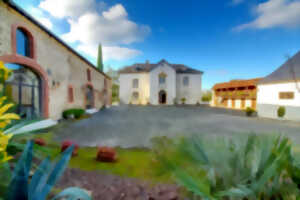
[
  {"x": 49, "y": 76},
  {"x": 235, "y": 94},
  {"x": 281, "y": 88},
  {"x": 160, "y": 83}
]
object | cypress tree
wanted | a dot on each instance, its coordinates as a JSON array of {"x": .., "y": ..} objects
[{"x": 99, "y": 61}]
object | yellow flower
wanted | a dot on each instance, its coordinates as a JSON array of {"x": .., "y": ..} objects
[
  {"x": 4, "y": 72},
  {"x": 4, "y": 139}
]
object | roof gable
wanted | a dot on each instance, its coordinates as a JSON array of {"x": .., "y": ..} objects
[
  {"x": 147, "y": 67},
  {"x": 289, "y": 71}
]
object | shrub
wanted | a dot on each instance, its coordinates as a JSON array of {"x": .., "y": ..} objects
[
  {"x": 75, "y": 112},
  {"x": 106, "y": 154},
  {"x": 66, "y": 144},
  {"x": 217, "y": 168},
  {"x": 206, "y": 97},
  {"x": 281, "y": 111},
  {"x": 183, "y": 100},
  {"x": 249, "y": 111}
]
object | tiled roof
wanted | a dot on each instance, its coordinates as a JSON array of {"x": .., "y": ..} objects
[
  {"x": 147, "y": 67},
  {"x": 237, "y": 83},
  {"x": 289, "y": 71}
]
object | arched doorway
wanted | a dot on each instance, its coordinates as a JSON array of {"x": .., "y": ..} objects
[
  {"x": 24, "y": 89},
  {"x": 162, "y": 97},
  {"x": 89, "y": 96}
]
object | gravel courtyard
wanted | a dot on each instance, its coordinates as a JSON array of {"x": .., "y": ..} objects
[{"x": 134, "y": 126}]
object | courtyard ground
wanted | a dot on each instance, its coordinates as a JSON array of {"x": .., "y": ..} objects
[{"x": 135, "y": 126}]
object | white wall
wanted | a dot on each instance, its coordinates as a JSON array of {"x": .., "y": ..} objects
[
  {"x": 269, "y": 94},
  {"x": 193, "y": 92},
  {"x": 169, "y": 86},
  {"x": 126, "y": 88}
]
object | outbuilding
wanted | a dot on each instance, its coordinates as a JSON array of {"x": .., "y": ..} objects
[{"x": 281, "y": 89}]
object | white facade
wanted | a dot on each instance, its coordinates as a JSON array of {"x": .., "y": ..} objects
[
  {"x": 268, "y": 100},
  {"x": 150, "y": 88}
]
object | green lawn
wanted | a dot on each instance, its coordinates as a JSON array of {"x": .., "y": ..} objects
[{"x": 134, "y": 162}]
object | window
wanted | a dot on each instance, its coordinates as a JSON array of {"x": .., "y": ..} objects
[
  {"x": 286, "y": 95},
  {"x": 70, "y": 94},
  {"x": 23, "y": 43},
  {"x": 135, "y": 83},
  {"x": 162, "y": 78},
  {"x": 89, "y": 78},
  {"x": 185, "y": 81},
  {"x": 135, "y": 96},
  {"x": 24, "y": 89}
]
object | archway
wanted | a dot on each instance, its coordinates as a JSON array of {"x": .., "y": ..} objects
[
  {"x": 37, "y": 70},
  {"x": 89, "y": 97},
  {"x": 24, "y": 89},
  {"x": 162, "y": 97}
]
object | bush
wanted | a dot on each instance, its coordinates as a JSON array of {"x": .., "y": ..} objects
[
  {"x": 75, "y": 112},
  {"x": 249, "y": 111},
  {"x": 217, "y": 168},
  {"x": 281, "y": 111},
  {"x": 183, "y": 100},
  {"x": 206, "y": 97}
]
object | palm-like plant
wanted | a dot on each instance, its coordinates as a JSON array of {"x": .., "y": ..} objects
[{"x": 252, "y": 167}]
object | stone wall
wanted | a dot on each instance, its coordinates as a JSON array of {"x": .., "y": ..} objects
[{"x": 64, "y": 68}]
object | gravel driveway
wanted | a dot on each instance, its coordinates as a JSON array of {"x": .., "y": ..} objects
[{"x": 133, "y": 126}]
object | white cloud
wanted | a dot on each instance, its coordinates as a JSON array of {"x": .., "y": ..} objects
[
  {"x": 91, "y": 23},
  {"x": 68, "y": 8},
  {"x": 110, "y": 52},
  {"x": 275, "y": 13},
  {"x": 46, "y": 22},
  {"x": 236, "y": 2}
]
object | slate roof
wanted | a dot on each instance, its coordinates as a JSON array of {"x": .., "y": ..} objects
[
  {"x": 237, "y": 83},
  {"x": 147, "y": 67},
  {"x": 289, "y": 71}
]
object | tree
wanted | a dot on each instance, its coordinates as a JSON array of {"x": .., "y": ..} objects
[{"x": 100, "y": 60}]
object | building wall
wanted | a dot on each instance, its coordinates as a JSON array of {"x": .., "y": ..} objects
[
  {"x": 169, "y": 86},
  {"x": 63, "y": 68},
  {"x": 268, "y": 100},
  {"x": 126, "y": 88},
  {"x": 193, "y": 92}
]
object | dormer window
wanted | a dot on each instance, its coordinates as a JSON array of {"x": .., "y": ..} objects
[
  {"x": 23, "y": 43},
  {"x": 162, "y": 78}
]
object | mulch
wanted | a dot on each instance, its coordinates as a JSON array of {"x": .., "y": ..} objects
[{"x": 104, "y": 186}]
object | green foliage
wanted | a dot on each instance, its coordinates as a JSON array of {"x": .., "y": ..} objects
[
  {"x": 249, "y": 111},
  {"x": 74, "y": 112},
  {"x": 183, "y": 100},
  {"x": 281, "y": 111},
  {"x": 100, "y": 59},
  {"x": 206, "y": 97},
  {"x": 115, "y": 93},
  {"x": 43, "y": 179},
  {"x": 253, "y": 167}
]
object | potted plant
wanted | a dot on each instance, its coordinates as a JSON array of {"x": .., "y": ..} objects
[{"x": 281, "y": 112}]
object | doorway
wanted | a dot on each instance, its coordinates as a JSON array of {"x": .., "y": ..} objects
[{"x": 162, "y": 97}]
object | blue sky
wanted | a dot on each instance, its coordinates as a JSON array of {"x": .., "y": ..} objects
[{"x": 227, "y": 39}]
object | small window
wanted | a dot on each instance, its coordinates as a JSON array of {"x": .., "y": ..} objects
[
  {"x": 186, "y": 81},
  {"x": 23, "y": 43},
  {"x": 162, "y": 78},
  {"x": 286, "y": 95},
  {"x": 135, "y": 83},
  {"x": 89, "y": 75},
  {"x": 135, "y": 96},
  {"x": 70, "y": 94}
]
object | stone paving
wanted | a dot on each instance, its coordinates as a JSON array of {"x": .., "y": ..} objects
[{"x": 134, "y": 126}]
